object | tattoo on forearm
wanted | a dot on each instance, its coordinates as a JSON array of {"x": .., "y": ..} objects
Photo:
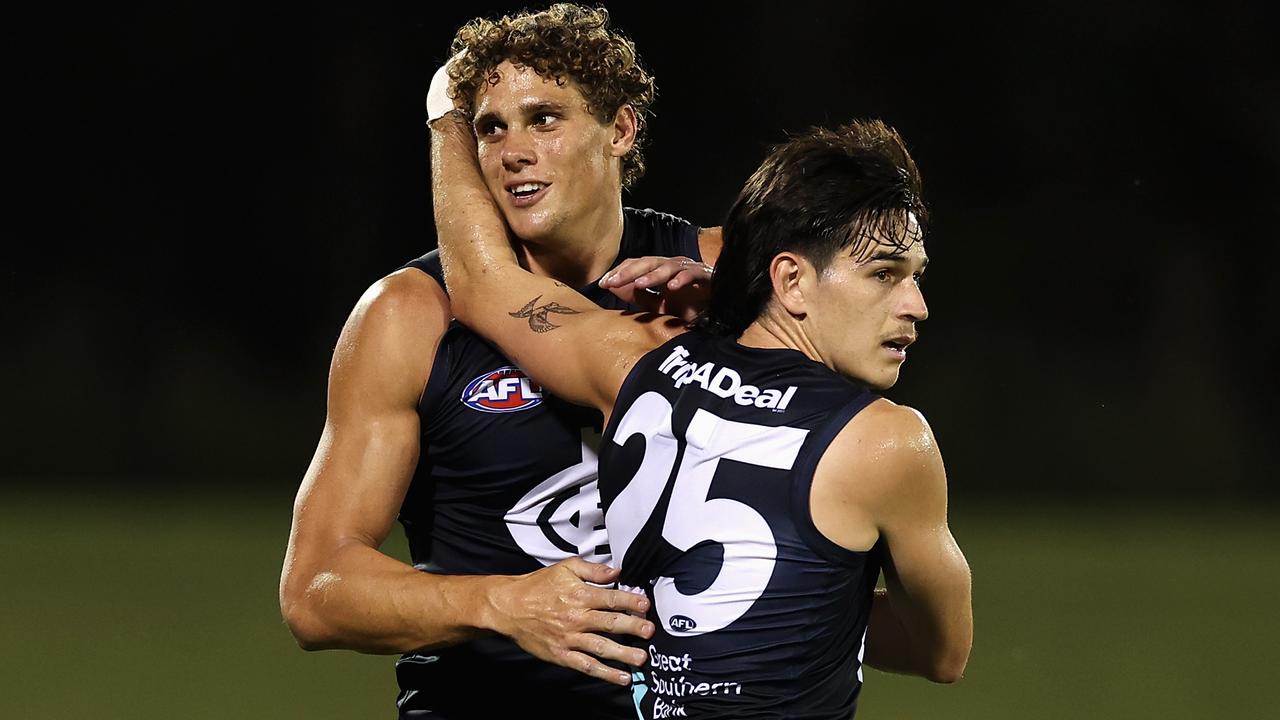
[{"x": 538, "y": 321}]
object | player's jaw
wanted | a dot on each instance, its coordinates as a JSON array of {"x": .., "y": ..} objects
[
  {"x": 875, "y": 345},
  {"x": 883, "y": 362},
  {"x": 563, "y": 195},
  {"x": 531, "y": 205},
  {"x": 559, "y": 190}
]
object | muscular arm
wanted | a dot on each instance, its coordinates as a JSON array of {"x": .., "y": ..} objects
[
  {"x": 337, "y": 590},
  {"x": 883, "y": 478},
  {"x": 579, "y": 351}
]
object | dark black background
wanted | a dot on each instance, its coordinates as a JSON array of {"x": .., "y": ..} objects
[{"x": 196, "y": 196}]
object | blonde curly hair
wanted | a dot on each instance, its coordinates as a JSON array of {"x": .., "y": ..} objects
[{"x": 563, "y": 42}]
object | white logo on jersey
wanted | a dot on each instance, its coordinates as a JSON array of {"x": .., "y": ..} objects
[
  {"x": 725, "y": 383},
  {"x": 561, "y": 517}
]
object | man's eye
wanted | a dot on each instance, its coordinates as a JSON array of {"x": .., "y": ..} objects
[
  {"x": 883, "y": 275},
  {"x": 543, "y": 119}
]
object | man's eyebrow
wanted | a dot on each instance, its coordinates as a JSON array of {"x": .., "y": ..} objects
[
  {"x": 531, "y": 108},
  {"x": 542, "y": 106},
  {"x": 887, "y": 256},
  {"x": 894, "y": 257}
]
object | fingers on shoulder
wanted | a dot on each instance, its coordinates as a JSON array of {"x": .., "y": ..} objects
[{"x": 630, "y": 269}]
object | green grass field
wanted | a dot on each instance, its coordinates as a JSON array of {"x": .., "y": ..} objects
[{"x": 123, "y": 606}]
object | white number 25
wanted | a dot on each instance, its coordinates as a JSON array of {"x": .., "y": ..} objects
[{"x": 749, "y": 547}]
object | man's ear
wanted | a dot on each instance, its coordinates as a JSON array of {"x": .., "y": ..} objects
[
  {"x": 624, "y": 131},
  {"x": 791, "y": 275}
]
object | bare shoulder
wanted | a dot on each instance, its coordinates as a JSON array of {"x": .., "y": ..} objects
[
  {"x": 895, "y": 446},
  {"x": 895, "y": 429},
  {"x": 886, "y": 457},
  {"x": 390, "y": 339},
  {"x": 407, "y": 299},
  {"x": 710, "y": 241},
  {"x": 406, "y": 295}
]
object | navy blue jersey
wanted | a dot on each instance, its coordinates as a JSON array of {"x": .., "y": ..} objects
[
  {"x": 506, "y": 484},
  {"x": 706, "y": 470}
]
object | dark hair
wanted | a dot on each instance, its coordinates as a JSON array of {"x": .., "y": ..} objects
[
  {"x": 562, "y": 42},
  {"x": 822, "y": 192}
]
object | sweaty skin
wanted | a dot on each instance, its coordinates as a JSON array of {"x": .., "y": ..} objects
[
  {"x": 337, "y": 589},
  {"x": 856, "y": 317}
]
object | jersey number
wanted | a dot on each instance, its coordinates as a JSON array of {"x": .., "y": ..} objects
[{"x": 692, "y": 517}]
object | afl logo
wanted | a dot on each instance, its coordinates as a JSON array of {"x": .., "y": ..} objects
[
  {"x": 504, "y": 390},
  {"x": 680, "y": 623}
]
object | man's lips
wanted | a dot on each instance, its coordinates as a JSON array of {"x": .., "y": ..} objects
[
  {"x": 897, "y": 345},
  {"x": 526, "y": 192}
]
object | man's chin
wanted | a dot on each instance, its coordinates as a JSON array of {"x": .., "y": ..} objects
[
  {"x": 887, "y": 382},
  {"x": 883, "y": 380},
  {"x": 531, "y": 230}
]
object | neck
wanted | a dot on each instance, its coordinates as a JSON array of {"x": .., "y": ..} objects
[
  {"x": 773, "y": 332},
  {"x": 579, "y": 255}
]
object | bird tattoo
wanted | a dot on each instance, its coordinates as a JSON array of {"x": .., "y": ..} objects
[{"x": 538, "y": 321}]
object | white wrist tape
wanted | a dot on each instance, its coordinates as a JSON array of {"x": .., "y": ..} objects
[{"x": 439, "y": 103}]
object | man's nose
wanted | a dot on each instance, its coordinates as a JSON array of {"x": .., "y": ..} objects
[
  {"x": 517, "y": 151},
  {"x": 913, "y": 306}
]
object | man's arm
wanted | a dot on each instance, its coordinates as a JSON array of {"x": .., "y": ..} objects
[
  {"x": 883, "y": 478},
  {"x": 337, "y": 590},
  {"x": 577, "y": 350}
]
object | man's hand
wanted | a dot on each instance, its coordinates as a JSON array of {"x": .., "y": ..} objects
[
  {"x": 676, "y": 286},
  {"x": 556, "y": 615}
]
